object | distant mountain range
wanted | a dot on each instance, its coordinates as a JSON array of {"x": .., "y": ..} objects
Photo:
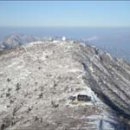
[{"x": 15, "y": 40}]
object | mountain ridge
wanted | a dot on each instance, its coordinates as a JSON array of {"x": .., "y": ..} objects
[{"x": 63, "y": 85}]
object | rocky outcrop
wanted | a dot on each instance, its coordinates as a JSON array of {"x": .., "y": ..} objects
[{"x": 63, "y": 85}]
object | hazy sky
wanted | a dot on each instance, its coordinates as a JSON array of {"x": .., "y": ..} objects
[{"x": 65, "y": 13}]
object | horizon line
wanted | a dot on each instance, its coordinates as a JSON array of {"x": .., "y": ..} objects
[{"x": 64, "y": 26}]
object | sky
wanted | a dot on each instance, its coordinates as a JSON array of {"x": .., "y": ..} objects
[{"x": 65, "y": 13}]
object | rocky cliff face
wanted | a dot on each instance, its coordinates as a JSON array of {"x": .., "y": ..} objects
[{"x": 63, "y": 85}]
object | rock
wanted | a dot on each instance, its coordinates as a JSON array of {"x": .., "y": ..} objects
[{"x": 83, "y": 98}]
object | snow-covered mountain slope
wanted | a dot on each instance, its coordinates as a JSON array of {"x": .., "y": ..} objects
[{"x": 63, "y": 85}]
